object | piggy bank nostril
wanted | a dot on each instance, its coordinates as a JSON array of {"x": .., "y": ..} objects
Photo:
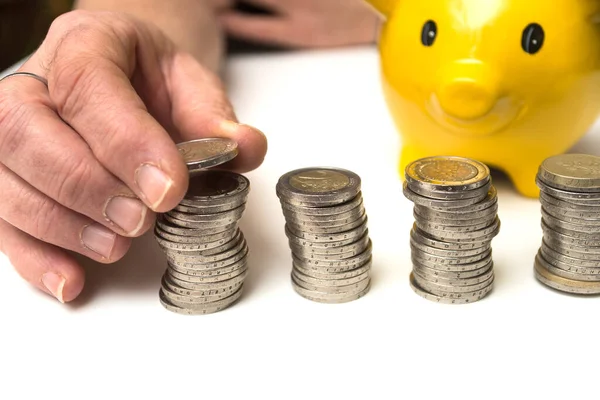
[{"x": 466, "y": 100}]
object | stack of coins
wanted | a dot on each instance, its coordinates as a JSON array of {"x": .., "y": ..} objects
[
  {"x": 455, "y": 211},
  {"x": 569, "y": 257},
  {"x": 326, "y": 226},
  {"x": 205, "y": 249}
]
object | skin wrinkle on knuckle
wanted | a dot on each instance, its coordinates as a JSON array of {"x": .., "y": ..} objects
[
  {"x": 14, "y": 115},
  {"x": 71, "y": 185}
]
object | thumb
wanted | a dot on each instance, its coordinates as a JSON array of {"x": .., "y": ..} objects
[{"x": 200, "y": 108}]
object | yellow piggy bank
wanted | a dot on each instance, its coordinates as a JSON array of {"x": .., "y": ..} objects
[{"x": 507, "y": 82}]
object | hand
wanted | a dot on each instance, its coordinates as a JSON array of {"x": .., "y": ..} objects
[
  {"x": 86, "y": 163},
  {"x": 305, "y": 23}
]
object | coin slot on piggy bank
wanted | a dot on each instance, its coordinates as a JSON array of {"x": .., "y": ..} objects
[{"x": 505, "y": 82}]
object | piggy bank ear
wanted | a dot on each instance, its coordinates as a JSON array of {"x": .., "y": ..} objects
[{"x": 384, "y": 7}]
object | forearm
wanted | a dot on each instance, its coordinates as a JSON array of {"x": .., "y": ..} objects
[{"x": 191, "y": 24}]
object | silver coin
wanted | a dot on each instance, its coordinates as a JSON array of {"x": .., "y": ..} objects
[
  {"x": 559, "y": 214},
  {"x": 352, "y": 234},
  {"x": 242, "y": 267},
  {"x": 322, "y": 246},
  {"x": 462, "y": 298},
  {"x": 213, "y": 188},
  {"x": 309, "y": 231},
  {"x": 451, "y": 195},
  {"x": 433, "y": 272},
  {"x": 196, "y": 261},
  {"x": 565, "y": 213},
  {"x": 227, "y": 217},
  {"x": 208, "y": 309},
  {"x": 320, "y": 293},
  {"x": 422, "y": 237},
  {"x": 573, "y": 197},
  {"x": 590, "y": 251},
  {"x": 564, "y": 284},
  {"x": 430, "y": 213},
  {"x": 206, "y": 253},
  {"x": 318, "y": 186},
  {"x": 329, "y": 283},
  {"x": 447, "y": 253},
  {"x": 352, "y": 261},
  {"x": 354, "y": 250},
  {"x": 219, "y": 208},
  {"x": 487, "y": 233},
  {"x": 552, "y": 221},
  {"x": 202, "y": 286},
  {"x": 207, "y": 152},
  {"x": 325, "y": 210},
  {"x": 569, "y": 271},
  {"x": 207, "y": 298},
  {"x": 167, "y": 226},
  {"x": 429, "y": 202},
  {"x": 349, "y": 216},
  {"x": 224, "y": 235},
  {"x": 452, "y": 267},
  {"x": 435, "y": 278},
  {"x": 572, "y": 172},
  {"x": 198, "y": 303},
  {"x": 547, "y": 199},
  {"x": 335, "y": 224},
  {"x": 442, "y": 289},
  {"x": 437, "y": 260},
  {"x": 565, "y": 238},
  {"x": 227, "y": 265},
  {"x": 490, "y": 200},
  {"x": 318, "y": 274},
  {"x": 223, "y": 291},
  {"x": 455, "y": 226},
  {"x": 550, "y": 253},
  {"x": 327, "y": 300}
]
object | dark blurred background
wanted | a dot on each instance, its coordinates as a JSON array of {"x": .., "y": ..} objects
[{"x": 24, "y": 23}]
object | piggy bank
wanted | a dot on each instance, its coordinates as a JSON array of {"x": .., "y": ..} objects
[{"x": 506, "y": 82}]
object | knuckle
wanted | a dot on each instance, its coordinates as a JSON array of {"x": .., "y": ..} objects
[
  {"x": 72, "y": 182},
  {"x": 14, "y": 114},
  {"x": 47, "y": 219}
]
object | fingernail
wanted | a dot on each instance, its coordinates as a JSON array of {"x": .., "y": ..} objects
[
  {"x": 55, "y": 284},
  {"x": 99, "y": 239},
  {"x": 153, "y": 183},
  {"x": 129, "y": 214}
]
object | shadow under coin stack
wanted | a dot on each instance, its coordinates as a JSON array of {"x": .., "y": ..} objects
[
  {"x": 569, "y": 257},
  {"x": 455, "y": 211},
  {"x": 326, "y": 226},
  {"x": 205, "y": 249}
]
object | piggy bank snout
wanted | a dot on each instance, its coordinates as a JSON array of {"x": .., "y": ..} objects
[{"x": 467, "y": 91}]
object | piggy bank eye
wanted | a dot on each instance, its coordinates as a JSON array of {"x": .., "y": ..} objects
[
  {"x": 429, "y": 33},
  {"x": 533, "y": 38}
]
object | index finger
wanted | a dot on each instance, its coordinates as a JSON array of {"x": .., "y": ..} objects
[{"x": 90, "y": 74}]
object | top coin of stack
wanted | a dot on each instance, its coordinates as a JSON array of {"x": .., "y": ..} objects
[
  {"x": 569, "y": 257},
  {"x": 455, "y": 210},
  {"x": 206, "y": 251},
  {"x": 326, "y": 226}
]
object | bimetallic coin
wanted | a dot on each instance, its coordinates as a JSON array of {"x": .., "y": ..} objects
[
  {"x": 444, "y": 173},
  {"x": 208, "y": 152},
  {"x": 207, "y": 309},
  {"x": 318, "y": 186},
  {"x": 451, "y": 195},
  {"x": 564, "y": 284},
  {"x": 448, "y": 204}
]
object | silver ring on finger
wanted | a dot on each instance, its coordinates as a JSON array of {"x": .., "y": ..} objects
[{"x": 29, "y": 74}]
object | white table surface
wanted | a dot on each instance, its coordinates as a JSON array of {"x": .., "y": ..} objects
[{"x": 322, "y": 108}]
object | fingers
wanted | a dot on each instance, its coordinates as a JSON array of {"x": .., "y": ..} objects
[
  {"x": 42, "y": 265},
  {"x": 258, "y": 28},
  {"x": 32, "y": 212},
  {"x": 90, "y": 85},
  {"x": 200, "y": 108},
  {"x": 37, "y": 146}
]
